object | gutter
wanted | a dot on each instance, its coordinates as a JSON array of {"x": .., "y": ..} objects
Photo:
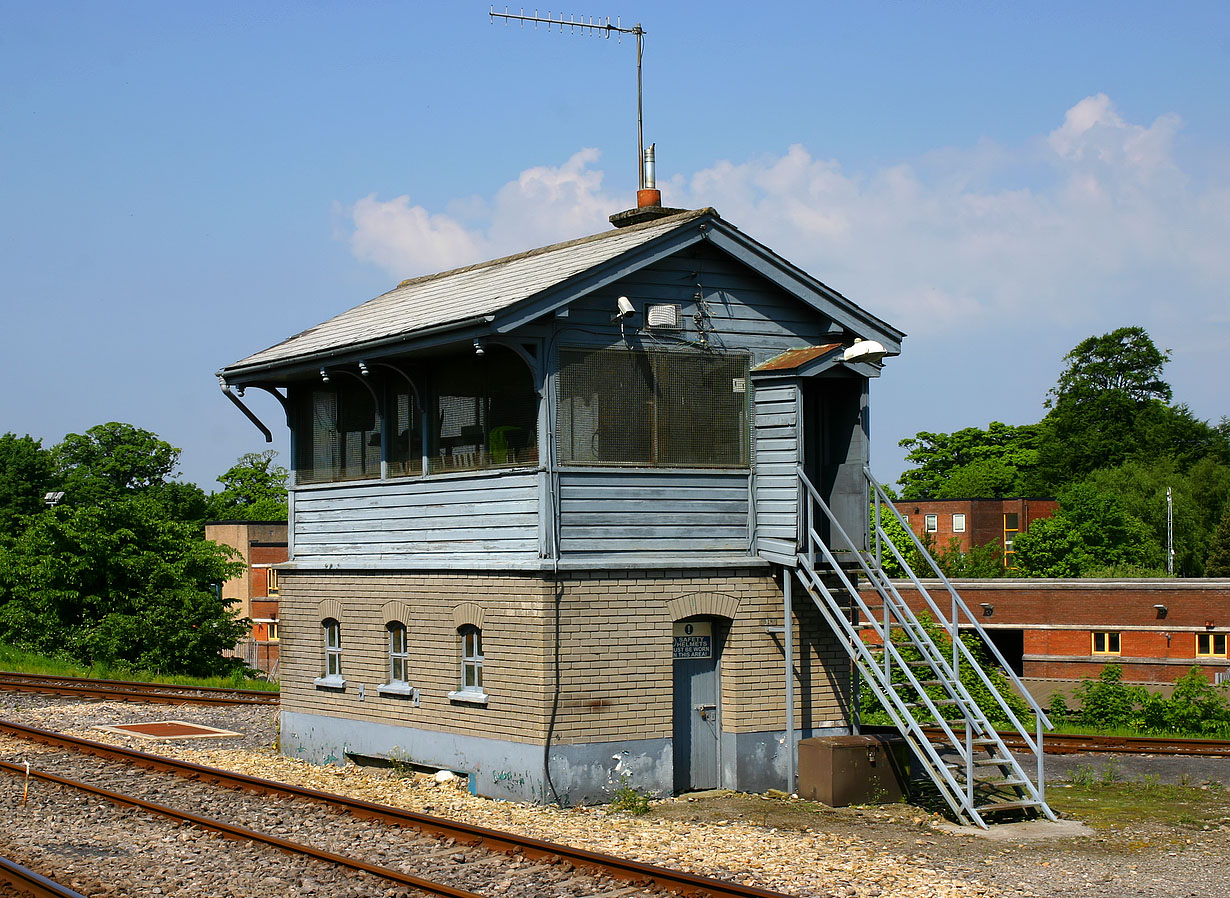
[{"x": 323, "y": 354}]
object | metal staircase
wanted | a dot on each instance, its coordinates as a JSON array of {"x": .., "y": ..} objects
[{"x": 917, "y": 681}]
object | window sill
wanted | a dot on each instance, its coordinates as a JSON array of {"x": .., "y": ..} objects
[
  {"x": 330, "y": 683},
  {"x": 468, "y": 697},
  {"x": 402, "y": 690}
]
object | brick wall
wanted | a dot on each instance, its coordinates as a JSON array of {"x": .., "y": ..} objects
[
  {"x": 1057, "y": 619},
  {"x": 615, "y": 659}
]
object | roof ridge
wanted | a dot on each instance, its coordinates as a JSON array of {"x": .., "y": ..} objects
[{"x": 566, "y": 244}]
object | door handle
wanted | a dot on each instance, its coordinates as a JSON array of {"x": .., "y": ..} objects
[{"x": 704, "y": 710}]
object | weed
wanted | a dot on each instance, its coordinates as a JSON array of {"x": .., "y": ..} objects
[
  {"x": 1110, "y": 773},
  {"x": 1082, "y": 775},
  {"x": 628, "y": 798}
]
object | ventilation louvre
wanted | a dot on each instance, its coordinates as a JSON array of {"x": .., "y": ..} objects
[{"x": 664, "y": 316}]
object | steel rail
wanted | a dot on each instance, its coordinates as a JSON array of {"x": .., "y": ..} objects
[
  {"x": 123, "y": 690},
  {"x": 633, "y": 872},
  {"x": 241, "y": 834},
  {"x": 25, "y": 880},
  {"x": 1075, "y": 743}
]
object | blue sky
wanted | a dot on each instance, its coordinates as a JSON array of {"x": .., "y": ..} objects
[{"x": 186, "y": 183}]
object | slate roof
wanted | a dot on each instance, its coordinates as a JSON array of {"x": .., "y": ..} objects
[{"x": 464, "y": 294}]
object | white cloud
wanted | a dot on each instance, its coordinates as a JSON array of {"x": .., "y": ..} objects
[
  {"x": 545, "y": 204},
  {"x": 1086, "y": 228}
]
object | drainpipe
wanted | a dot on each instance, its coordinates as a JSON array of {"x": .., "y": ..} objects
[{"x": 788, "y": 640}]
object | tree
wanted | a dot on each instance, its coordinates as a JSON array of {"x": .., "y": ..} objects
[
  {"x": 109, "y": 460},
  {"x": 1091, "y": 535},
  {"x": 998, "y": 462},
  {"x": 1218, "y": 562},
  {"x": 27, "y": 474},
  {"x": 1109, "y": 382},
  {"x": 254, "y": 489},
  {"x": 119, "y": 581}
]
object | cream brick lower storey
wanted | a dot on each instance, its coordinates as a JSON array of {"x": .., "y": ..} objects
[{"x": 559, "y": 719}]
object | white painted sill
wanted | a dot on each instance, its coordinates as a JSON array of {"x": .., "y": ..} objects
[
  {"x": 400, "y": 689},
  {"x": 470, "y": 698},
  {"x": 330, "y": 683}
]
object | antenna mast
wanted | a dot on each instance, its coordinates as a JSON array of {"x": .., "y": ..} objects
[{"x": 603, "y": 28}]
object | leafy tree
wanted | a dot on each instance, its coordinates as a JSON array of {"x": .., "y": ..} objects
[
  {"x": 1195, "y": 706},
  {"x": 118, "y": 581},
  {"x": 27, "y": 474},
  {"x": 1090, "y": 535},
  {"x": 977, "y": 562},
  {"x": 998, "y": 462},
  {"x": 1111, "y": 383},
  {"x": 1218, "y": 562},
  {"x": 254, "y": 489},
  {"x": 110, "y": 460}
]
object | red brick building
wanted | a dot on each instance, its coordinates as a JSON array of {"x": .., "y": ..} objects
[
  {"x": 975, "y": 522},
  {"x": 260, "y": 544},
  {"x": 1156, "y": 629}
]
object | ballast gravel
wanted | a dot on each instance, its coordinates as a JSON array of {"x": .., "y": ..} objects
[{"x": 788, "y": 846}]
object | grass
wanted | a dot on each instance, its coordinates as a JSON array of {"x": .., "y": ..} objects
[
  {"x": 21, "y": 661},
  {"x": 1103, "y": 801}
]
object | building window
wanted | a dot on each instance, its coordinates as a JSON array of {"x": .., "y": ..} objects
[
  {"x": 337, "y": 432},
  {"x": 655, "y": 409},
  {"x": 271, "y": 581},
  {"x": 471, "y": 666},
  {"x": 931, "y": 523},
  {"x": 331, "y": 633},
  {"x": 485, "y": 412},
  {"x": 958, "y": 523},
  {"x": 1210, "y": 645},
  {"x": 399, "y": 656},
  {"x": 1012, "y": 526},
  {"x": 272, "y": 631},
  {"x": 1106, "y": 643},
  {"x": 478, "y": 410}
]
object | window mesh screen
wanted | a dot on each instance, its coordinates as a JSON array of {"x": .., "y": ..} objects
[
  {"x": 486, "y": 412},
  {"x": 659, "y": 409},
  {"x": 340, "y": 438},
  {"x": 406, "y": 434}
]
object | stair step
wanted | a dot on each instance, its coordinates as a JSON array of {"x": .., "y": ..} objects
[
  {"x": 934, "y": 701},
  {"x": 1006, "y": 806},
  {"x": 920, "y": 683}
]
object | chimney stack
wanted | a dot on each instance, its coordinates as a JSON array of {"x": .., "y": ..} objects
[{"x": 648, "y": 198}]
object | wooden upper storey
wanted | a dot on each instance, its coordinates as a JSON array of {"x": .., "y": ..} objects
[{"x": 524, "y": 422}]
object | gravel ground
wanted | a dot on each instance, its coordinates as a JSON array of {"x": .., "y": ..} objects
[{"x": 794, "y": 847}]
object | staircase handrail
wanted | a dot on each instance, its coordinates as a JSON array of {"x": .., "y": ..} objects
[
  {"x": 814, "y": 539},
  {"x": 958, "y": 603}
]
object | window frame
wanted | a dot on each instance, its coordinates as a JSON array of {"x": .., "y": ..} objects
[
  {"x": 619, "y": 412},
  {"x": 931, "y": 523},
  {"x": 1108, "y": 637},
  {"x": 399, "y": 686},
  {"x": 958, "y": 527},
  {"x": 331, "y": 640},
  {"x": 472, "y": 661},
  {"x": 1211, "y": 640}
]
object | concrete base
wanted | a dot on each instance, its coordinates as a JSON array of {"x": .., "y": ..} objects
[{"x": 1029, "y": 831}]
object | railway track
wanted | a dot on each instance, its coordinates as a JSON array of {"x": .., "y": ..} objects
[
  {"x": 121, "y": 690},
  {"x": 25, "y": 882},
  {"x": 346, "y": 825}
]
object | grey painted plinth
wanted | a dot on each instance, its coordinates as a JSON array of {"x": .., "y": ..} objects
[
  {"x": 497, "y": 768},
  {"x": 756, "y": 762}
]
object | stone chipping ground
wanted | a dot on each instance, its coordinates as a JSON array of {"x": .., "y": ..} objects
[{"x": 790, "y": 846}]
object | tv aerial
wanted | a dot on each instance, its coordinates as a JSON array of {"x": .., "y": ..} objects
[{"x": 599, "y": 27}]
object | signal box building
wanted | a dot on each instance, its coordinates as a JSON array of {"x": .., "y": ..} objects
[{"x": 541, "y": 508}]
